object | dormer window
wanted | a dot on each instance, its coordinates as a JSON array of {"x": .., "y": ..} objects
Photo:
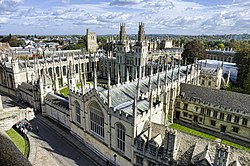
[
  {"x": 140, "y": 144},
  {"x": 152, "y": 150}
]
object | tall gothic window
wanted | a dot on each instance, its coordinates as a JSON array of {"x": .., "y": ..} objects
[
  {"x": 96, "y": 120},
  {"x": 120, "y": 133},
  {"x": 78, "y": 112}
]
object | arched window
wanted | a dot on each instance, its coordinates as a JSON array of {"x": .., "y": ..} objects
[
  {"x": 57, "y": 71},
  {"x": 64, "y": 70},
  {"x": 96, "y": 119},
  {"x": 78, "y": 112},
  {"x": 120, "y": 135}
]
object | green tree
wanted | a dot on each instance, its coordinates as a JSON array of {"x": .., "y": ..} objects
[
  {"x": 247, "y": 83},
  {"x": 242, "y": 59},
  {"x": 73, "y": 47},
  {"x": 221, "y": 46},
  {"x": 193, "y": 49}
]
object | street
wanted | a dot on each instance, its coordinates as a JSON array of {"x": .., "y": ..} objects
[
  {"x": 53, "y": 149},
  {"x": 49, "y": 147}
]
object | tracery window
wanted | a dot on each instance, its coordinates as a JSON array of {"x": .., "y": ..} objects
[
  {"x": 120, "y": 134},
  {"x": 78, "y": 112},
  {"x": 96, "y": 120}
]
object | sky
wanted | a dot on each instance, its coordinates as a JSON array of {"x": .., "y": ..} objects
[{"x": 181, "y": 17}]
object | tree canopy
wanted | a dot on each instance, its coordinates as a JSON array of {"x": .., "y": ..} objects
[
  {"x": 193, "y": 49},
  {"x": 242, "y": 59},
  {"x": 13, "y": 41}
]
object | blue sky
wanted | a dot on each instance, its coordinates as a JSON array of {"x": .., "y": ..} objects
[{"x": 192, "y": 17}]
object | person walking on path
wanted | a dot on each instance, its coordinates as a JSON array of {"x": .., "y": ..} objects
[{"x": 37, "y": 129}]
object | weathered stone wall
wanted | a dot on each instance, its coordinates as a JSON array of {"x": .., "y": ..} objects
[{"x": 10, "y": 116}]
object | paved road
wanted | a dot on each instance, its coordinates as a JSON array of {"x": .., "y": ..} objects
[{"x": 53, "y": 149}]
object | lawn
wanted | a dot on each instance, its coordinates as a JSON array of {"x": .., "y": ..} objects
[
  {"x": 19, "y": 141},
  {"x": 235, "y": 145},
  {"x": 192, "y": 131},
  {"x": 207, "y": 136},
  {"x": 65, "y": 92}
]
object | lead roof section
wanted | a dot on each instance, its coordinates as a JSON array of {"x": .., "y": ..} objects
[{"x": 125, "y": 93}]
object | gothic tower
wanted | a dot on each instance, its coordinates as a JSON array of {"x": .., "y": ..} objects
[
  {"x": 141, "y": 50},
  {"x": 122, "y": 49}
]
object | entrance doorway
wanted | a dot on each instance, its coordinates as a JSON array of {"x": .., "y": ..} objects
[
  {"x": 177, "y": 115},
  {"x": 195, "y": 118},
  {"x": 223, "y": 129}
]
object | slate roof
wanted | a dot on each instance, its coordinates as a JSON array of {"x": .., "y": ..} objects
[
  {"x": 26, "y": 86},
  {"x": 217, "y": 97},
  {"x": 58, "y": 100},
  {"x": 122, "y": 96}
]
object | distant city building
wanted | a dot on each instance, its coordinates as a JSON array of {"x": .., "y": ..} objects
[
  {"x": 225, "y": 56},
  {"x": 91, "y": 40}
]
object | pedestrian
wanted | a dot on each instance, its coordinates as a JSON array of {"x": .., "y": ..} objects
[{"x": 37, "y": 129}]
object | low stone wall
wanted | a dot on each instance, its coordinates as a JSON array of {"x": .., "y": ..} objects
[{"x": 10, "y": 116}]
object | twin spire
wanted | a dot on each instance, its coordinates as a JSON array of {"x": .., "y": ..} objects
[{"x": 141, "y": 32}]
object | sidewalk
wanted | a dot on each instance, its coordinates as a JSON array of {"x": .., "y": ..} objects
[{"x": 70, "y": 138}]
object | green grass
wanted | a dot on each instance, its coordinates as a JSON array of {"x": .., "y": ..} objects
[
  {"x": 192, "y": 131},
  {"x": 64, "y": 91},
  {"x": 19, "y": 141},
  {"x": 207, "y": 136},
  {"x": 235, "y": 145}
]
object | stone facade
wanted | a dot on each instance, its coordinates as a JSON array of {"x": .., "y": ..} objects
[{"x": 216, "y": 110}]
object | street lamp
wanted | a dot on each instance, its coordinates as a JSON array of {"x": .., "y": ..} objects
[{"x": 115, "y": 158}]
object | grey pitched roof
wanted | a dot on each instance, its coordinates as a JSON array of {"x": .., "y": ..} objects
[
  {"x": 58, "y": 100},
  {"x": 125, "y": 93},
  {"x": 26, "y": 86},
  {"x": 230, "y": 100}
]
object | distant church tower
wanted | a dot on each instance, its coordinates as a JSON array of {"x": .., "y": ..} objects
[{"x": 91, "y": 40}]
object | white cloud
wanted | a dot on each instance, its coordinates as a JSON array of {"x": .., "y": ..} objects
[
  {"x": 124, "y": 2},
  {"x": 159, "y": 16},
  {"x": 4, "y": 20},
  {"x": 9, "y": 5},
  {"x": 65, "y": 1}
]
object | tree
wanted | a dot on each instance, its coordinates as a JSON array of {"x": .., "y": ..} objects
[
  {"x": 221, "y": 46},
  {"x": 247, "y": 83},
  {"x": 193, "y": 49},
  {"x": 242, "y": 59}
]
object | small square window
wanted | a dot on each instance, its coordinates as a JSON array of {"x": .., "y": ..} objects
[
  {"x": 185, "y": 114},
  {"x": 208, "y": 112},
  {"x": 215, "y": 114},
  {"x": 185, "y": 107},
  {"x": 236, "y": 119},
  {"x": 222, "y": 115},
  {"x": 235, "y": 129},
  {"x": 244, "y": 122},
  {"x": 200, "y": 119},
  {"x": 202, "y": 110},
  {"x": 213, "y": 122},
  {"x": 229, "y": 117}
]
